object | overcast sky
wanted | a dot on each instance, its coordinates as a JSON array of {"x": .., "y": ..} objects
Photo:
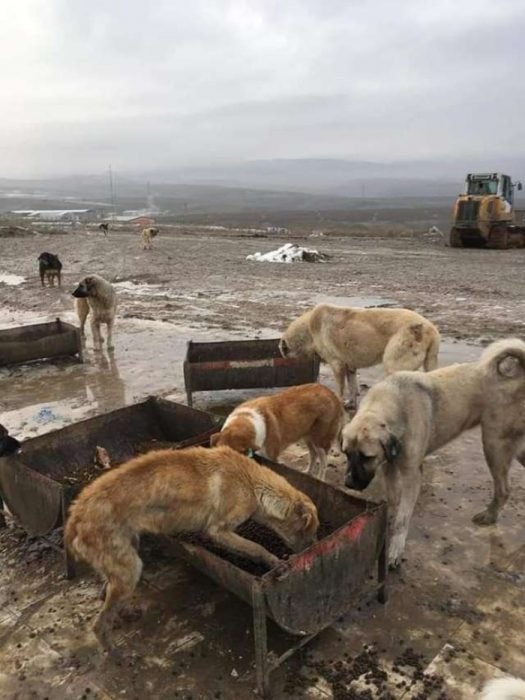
[{"x": 146, "y": 85}]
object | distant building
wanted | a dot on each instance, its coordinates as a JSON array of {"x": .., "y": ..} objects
[
  {"x": 57, "y": 215},
  {"x": 134, "y": 220}
]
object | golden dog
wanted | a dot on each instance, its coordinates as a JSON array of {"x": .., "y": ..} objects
[
  {"x": 269, "y": 424},
  {"x": 349, "y": 339},
  {"x": 203, "y": 490},
  {"x": 411, "y": 414}
]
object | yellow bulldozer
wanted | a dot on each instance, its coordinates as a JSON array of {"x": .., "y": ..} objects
[{"x": 484, "y": 215}]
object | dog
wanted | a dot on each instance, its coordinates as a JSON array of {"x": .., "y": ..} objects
[
  {"x": 104, "y": 227},
  {"x": 49, "y": 266},
  {"x": 96, "y": 295},
  {"x": 207, "y": 490},
  {"x": 8, "y": 444},
  {"x": 411, "y": 414},
  {"x": 269, "y": 424},
  {"x": 348, "y": 339},
  {"x": 504, "y": 689},
  {"x": 148, "y": 234}
]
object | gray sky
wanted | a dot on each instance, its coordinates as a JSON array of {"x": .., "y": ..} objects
[{"x": 166, "y": 83}]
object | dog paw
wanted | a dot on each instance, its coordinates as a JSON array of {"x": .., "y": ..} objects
[
  {"x": 486, "y": 517},
  {"x": 394, "y": 563}
]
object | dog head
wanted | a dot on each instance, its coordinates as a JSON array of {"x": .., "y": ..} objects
[
  {"x": 368, "y": 444},
  {"x": 86, "y": 288},
  {"x": 238, "y": 440},
  {"x": 49, "y": 260},
  {"x": 297, "y": 340},
  {"x": 292, "y": 515}
]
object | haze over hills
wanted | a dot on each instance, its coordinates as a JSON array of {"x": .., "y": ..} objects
[{"x": 260, "y": 185}]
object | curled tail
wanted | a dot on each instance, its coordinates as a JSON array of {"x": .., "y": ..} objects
[{"x": 505, "y": 359}]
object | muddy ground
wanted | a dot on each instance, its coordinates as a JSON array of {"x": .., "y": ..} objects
[{"x": 454, "y": 616}]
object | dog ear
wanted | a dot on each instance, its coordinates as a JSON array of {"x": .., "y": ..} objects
[
  {"x": 214, "y": 439},
  {"x": 283, "y": 347},
  {"x": 273, "y": 504},
  {"x": 417, "y": 331},
  {"x": 392, "y": 448},
  {"x": 510, "y": 367}
]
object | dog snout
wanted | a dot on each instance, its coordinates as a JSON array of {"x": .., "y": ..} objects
[
  {"x": 357, "y": 475},
  {"x": 80, "y": 292}
]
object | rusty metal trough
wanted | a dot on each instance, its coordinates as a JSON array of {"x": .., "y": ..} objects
[
  {"x": 313, "y": 588},
  {"x": 36, "y": 485},
  {"x": 39, "y": 341},
  {"x": 243, "y": 364},
  {"x": 303, "y": 596}
]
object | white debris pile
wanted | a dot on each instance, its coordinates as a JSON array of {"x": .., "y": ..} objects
[{"x": 289, "y": 253}]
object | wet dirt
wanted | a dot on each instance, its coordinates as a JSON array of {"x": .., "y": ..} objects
[{"x": 460, "y": 586}]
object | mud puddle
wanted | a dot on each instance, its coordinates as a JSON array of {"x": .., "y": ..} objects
[{"x": 148, "y": 359}]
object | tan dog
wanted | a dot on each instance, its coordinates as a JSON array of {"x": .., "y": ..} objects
[
  {"x": 147, "y": 235},
  {"x": 349, "y": 339},
  {"x": 203, "y": 490},
  {"x": 411, "y": 414},
  {"x": 96, "y": 295},
  {"x": 269, "y": 424}
]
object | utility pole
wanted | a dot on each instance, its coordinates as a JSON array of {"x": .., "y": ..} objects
[{"x": 112, "y": 192}]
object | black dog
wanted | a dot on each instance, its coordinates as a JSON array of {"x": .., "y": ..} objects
[
  {"x": 50, "y": 266},
  {"x": 104, "y": 227},
  {"x": 8, "y": 444}
]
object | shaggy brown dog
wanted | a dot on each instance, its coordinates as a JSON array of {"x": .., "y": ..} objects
[
  {"x": 269, "y": 424},
  {"x": 203, "y": 490},
  {"x": 348, "y": 339},
  {"x": 410, "y": 414}
]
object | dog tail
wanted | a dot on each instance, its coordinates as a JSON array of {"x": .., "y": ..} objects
[
  {"x": 504, "y": 689},
  {"x": 505, "y": 358},
  {"x": 431, "y": 358}
]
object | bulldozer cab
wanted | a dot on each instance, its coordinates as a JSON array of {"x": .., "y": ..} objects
[{"x": 484, "y": 184}]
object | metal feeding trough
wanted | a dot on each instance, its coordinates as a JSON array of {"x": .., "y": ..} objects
[
  {"x": 39, "y": 341},
  {"x": 312, "y": 589},
  {"x": 243, "y": 364},
  {"x": 39, "y": 483}
]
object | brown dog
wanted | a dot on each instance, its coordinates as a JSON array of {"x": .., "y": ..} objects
[
  {"x": 269, "y": 424},
  {"x": 203, "y": 490}
]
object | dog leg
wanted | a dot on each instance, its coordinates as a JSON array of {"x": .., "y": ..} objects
[
  {"x": 121, "y": 583},
  {"x": 499, "y": 457},
  {"x": 402, "y": 491},
  {"x": 321, "y": 471},
  {"x": 97, "y": 338},
  {"x": 82, "y": 308},
  {"x": 339, "y": 372},
  {"x": 59, "y": 279},
  {"x": 110, "y": 345},
  {"x": 231, "y": 540},
  {"x": 353, "y": 389},
  {"x": 313, "y": 457}
]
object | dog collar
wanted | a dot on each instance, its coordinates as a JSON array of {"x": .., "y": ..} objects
[{"x": 250, "y": 453}]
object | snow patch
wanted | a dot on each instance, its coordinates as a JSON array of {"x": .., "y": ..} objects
[
  {"x": 289, "y": 253},
  {"x": 11, "y": 280}
]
